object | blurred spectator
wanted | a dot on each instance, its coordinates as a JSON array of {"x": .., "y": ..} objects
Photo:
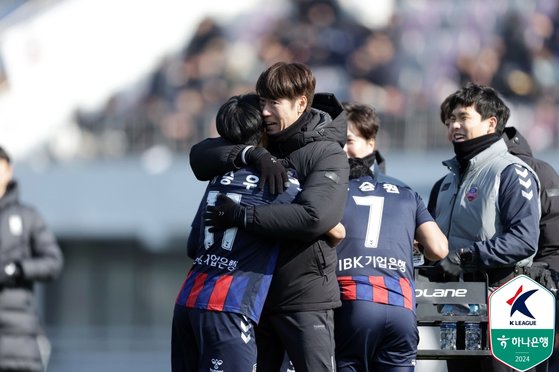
[{"x": 404, "y": 67}]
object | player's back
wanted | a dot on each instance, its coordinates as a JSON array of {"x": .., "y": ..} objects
[
  {"x": 380, "y": 220},
  {"x": 232, "y": 269}
]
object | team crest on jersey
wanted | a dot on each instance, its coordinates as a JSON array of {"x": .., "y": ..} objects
[
  {"x": 367, "y": 186},
  {"x": 16, "y": 225},
  {"x": 472, "y": 193}
]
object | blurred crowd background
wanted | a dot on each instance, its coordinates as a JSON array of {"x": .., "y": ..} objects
[
  {"x": 107, "y": 165},
  {"x": 404, "y": 66},
  {"x": 403, "y": 57}
]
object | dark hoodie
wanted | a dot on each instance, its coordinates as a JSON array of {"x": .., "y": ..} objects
[
  {"x": 548, "y": 245},
  {"x": 305, "y": 276}
]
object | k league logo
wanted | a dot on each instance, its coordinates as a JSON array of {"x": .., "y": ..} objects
[
  {"x": 521, "y": 323},
  {"x": 518, "y": 303}
]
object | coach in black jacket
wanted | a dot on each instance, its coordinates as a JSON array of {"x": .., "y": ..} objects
[
  {"x": 298, "y": 315},
  {"x": 548, "y": 244},
  {"x": 28, "y": 253}
]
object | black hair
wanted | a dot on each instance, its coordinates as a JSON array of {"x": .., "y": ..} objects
[
  {"x": 287, "y": 80},
  {"x": 239, "y": 120},
  {"x": 364, "y": 119},
  {"x": 4, "y": 155},
  {"x": 485, "y": 101}
]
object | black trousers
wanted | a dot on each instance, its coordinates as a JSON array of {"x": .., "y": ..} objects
[{"x": 307, "y": 337}]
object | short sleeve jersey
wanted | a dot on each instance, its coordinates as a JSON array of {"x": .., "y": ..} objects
[{"x": 375, "y": 260}]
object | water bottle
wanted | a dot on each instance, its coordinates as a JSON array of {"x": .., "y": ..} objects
[
  {"x": 472, "y": 332},
  {"x": 448, "y": 335},
  {"x": 474, "y": 309}
]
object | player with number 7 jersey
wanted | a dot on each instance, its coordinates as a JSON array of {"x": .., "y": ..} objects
[{"x": 375, "y": 273}]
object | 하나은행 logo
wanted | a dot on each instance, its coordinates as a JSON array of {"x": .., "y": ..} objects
[{"x": 521, "y": 323}]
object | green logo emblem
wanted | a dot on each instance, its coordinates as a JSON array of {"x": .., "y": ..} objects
[{"x": 521, "y": 323}]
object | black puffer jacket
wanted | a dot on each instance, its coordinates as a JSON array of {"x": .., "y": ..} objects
[
  {"x": 305, "y": 276},
  {"x": 548, "y": 245},
  {"x": 24, "y": 238}
]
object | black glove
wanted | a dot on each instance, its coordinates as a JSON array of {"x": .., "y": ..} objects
[
  {"x": 451, "y": 265},
  {"x": 539, "y": 271},
  {"x": 271, "y": 170},
  {"x": 225, "y": 214},
  {"x": 10, "y": 272}
]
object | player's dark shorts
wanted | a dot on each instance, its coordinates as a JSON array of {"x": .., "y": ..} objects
[
  {"x": 211, "y": 340},
  {"x": 306, "y": 336},
  {"x": 375, "y": 337}
]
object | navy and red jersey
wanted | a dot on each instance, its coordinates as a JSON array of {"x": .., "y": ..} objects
[
  {"x": 232, "y": 270},
  {"x": 375, "y": 260}
]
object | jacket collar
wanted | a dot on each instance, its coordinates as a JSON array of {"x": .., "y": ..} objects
[
  {"x": 315, "y": 125},
  {"x": 516, "y": 143},
  {"x": 489, "y": 153}
]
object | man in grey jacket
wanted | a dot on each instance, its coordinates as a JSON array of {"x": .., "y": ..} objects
[
  {"x": 28, "y": 253},
  {"x": 488, "y": 204}
]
